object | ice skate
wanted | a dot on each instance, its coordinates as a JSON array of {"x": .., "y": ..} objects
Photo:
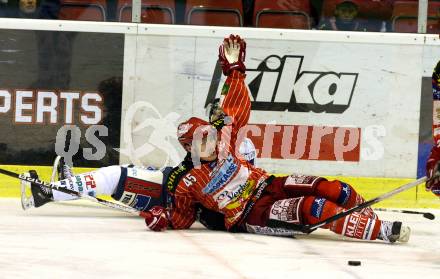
[
  {"x": 39, "y": 195},
  {"x": 26, "y": 201},
  {"x": 394, "y": 231},
  {"x": 61, "y": 170}
]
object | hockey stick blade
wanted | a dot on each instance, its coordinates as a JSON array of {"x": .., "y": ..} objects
[
  {"x": 429, "y": 216},
  {"x": 426, "y": 215}
]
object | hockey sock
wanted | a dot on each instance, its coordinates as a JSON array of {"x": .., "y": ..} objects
[
  {"x": 355, "y": 225},
  {"x": 343, "y": 195},
  {"x": 100, "y": 182}
]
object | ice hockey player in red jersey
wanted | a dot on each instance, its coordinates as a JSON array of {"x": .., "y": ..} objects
[
  {"x": 213, "y": 175},
  {"x": 432, "y": 165},
  {"x": 118, "y": 181},
  {"x": 136, "y": 186}
]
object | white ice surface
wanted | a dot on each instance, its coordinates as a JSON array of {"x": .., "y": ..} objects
[{"x": 82, "y": 240}]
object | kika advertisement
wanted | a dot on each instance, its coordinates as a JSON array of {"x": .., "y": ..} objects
[{"x": 315, "y": 109}]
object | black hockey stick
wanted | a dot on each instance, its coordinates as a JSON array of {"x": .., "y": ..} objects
[
  {"x": 310, "y": 228},
  {"x": 71, "y": 192},
  {"x": 427, "y": 215}
]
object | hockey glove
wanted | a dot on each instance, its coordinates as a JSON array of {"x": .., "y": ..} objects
[
  {"x": 232, "y": 54},
  {"x": 156, "y": 218},
  {"x": 432, "y": 169}
]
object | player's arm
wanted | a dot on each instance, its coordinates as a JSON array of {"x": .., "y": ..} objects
[
  {"x": 179, "y": 216},
  {"x": 234, "y": 100},
  {"x": 432, "y": 165},
  {"x": 182, "y": 213},
  {"x": 236, "y": 103}
]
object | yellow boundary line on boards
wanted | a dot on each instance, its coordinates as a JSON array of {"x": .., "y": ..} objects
[
  {"x": 369, "y": 187},
  {"x": 10, "y": 187}
]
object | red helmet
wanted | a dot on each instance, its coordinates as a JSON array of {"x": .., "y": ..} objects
[{"x": 186, "y": 130}]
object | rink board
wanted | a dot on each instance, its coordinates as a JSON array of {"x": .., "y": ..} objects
[
  {"x": 290, "y": 75},
  {"x": 358, "y": 130},
  {"x": 366, "y": 132},
  {"x": 369, "y": 187}
]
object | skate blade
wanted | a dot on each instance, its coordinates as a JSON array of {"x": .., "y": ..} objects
[
  {"x": 26, "y": 201},
  {"x": 55, "y": 175}
]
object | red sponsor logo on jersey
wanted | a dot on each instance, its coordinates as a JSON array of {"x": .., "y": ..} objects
[
  {"x": 143, "y": 187},
  {"x": 301, "y": 180},
  {"x": 356, "y": 226},
  {"x": 286, "y": 210},
  {"x": 90, "y": 181}
]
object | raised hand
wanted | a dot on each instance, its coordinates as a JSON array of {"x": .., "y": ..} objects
[{"x": 232, "y": 54}]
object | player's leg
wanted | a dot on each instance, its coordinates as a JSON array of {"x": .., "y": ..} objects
[
  {"x": 356, "y": 225},
  {"x": 103, "y": 181},
  {"x": 42, "y": 195},
  {"x": 310, "y": 210},
  {"x": 61, "y": 171},
  {"x": 268, "y": 207},
  {"x": 39, "y": 195},
  {"x": 134, "y": 186},
  {"x": 338, "y": 192},
  {"x": 141, "y": 187},
  {"x": 342, "y": 194},
  {"x": 138, "y": 187}
]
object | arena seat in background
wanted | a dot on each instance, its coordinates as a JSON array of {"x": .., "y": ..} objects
[
  {"x": 214, "y": 12},
  {"x": 94, "y": 10},
  {"x": 406, "y": 24},
  {"x": 367, "y": 8},
  {"x": 293, "y": 14},
  {"x": 153, "y": 11},
  {"x": 405, "y": 14},
  {"x": 370, "y": 11}
]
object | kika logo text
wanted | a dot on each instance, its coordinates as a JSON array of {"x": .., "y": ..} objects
[{"x": 281, "y": 83}]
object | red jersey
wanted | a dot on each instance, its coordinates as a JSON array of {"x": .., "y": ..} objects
[
  {"x": 436, "y": 108},
  {"x": 435, "y": 152},
  {"x": 227, "y": 184}
]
